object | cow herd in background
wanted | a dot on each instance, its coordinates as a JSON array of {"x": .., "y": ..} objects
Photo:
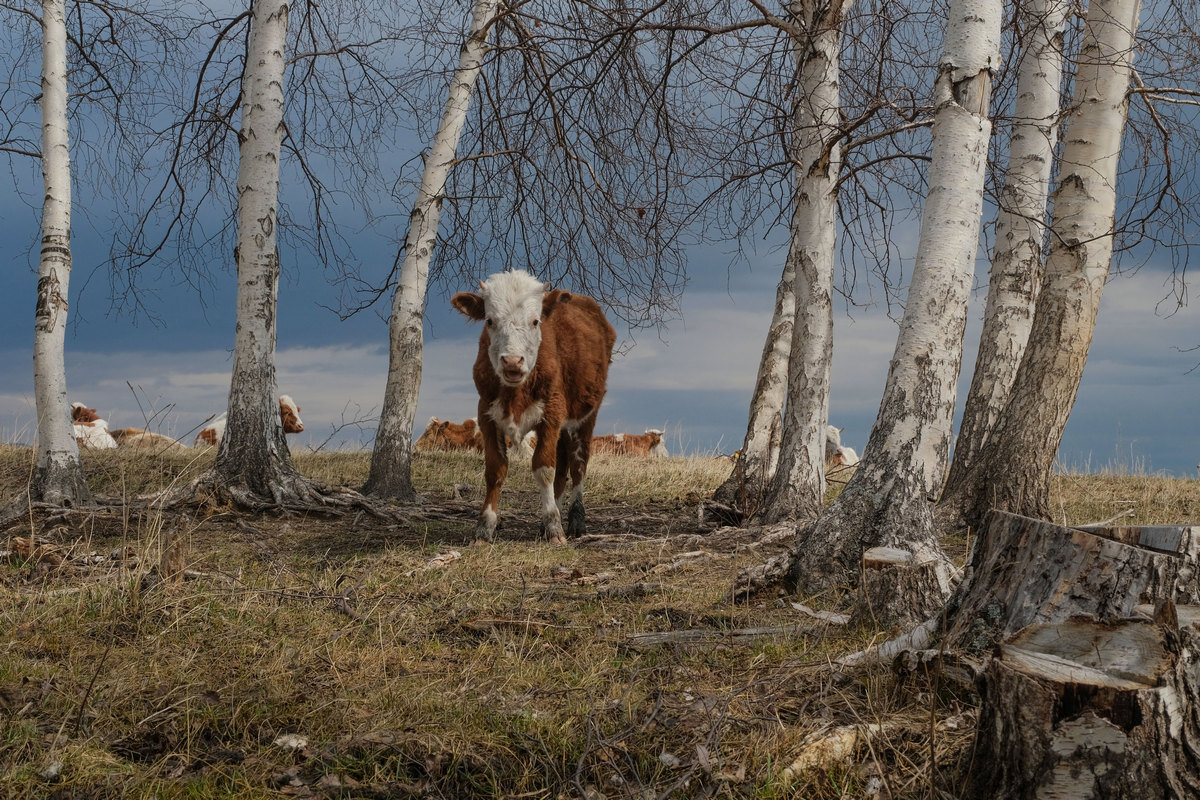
[
  {"x": 92, "y": 431},
  {"x": 442, "y": 434},
  {"x": 541, "y": 368}
]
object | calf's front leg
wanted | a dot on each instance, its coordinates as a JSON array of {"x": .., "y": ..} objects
[
  {"x": 495, "y": 470},
  {"x": 543, "y": 473}
]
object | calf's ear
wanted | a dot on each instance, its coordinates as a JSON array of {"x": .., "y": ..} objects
[
  {"x": 469, "y": 303},
  {"x": 551, "y": 300}
]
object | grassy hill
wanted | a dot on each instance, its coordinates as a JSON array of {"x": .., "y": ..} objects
[{"x": 363, "y": 656}]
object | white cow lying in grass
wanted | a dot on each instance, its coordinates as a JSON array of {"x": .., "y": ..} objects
[{"x": 91, "y": 432}]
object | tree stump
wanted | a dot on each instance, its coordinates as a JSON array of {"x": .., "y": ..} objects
[
  {"x": 1024, "y": 571},
  {"x": 1090, "y": 710},
  {"x": 896, "y": 589}
]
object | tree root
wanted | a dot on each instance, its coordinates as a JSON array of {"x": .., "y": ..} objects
[
  {"x": 753, "y": 579},
  {"x": 294, "y": 495}
]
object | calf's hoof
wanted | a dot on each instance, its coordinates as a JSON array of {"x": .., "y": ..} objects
[
  {"x": 575, "y": 520},
  {"x": 485, "y": 532},
  {"x": 554, "y": 532}
]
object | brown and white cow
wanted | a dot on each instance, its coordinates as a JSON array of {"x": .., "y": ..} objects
[
  {"x": 649, "y": 443},
  {"x": 844, "y": 457},
  {"x": 837, "y": 457},
  {"x": 212, "y": 432},
  {"x": 446, "y": 435},
  {"x": 91, "y": 432},
  {"x": 146, "y": 440},
  {"x": 542, "y": 366}
]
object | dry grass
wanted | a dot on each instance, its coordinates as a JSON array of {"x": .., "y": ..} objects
[{"x": 403, "y": 661}]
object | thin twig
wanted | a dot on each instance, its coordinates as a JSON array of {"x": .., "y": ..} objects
[{"x": 88, "y": 692}]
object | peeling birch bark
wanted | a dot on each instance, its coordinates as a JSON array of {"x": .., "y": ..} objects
[
  {"x": 1020, "y": 227},
  {"x": 1012, "y": 471},
  {"x": 253, "y": 466},
  {"x": 796, "y": 488},
  {"x": 1024, "y": 571}
]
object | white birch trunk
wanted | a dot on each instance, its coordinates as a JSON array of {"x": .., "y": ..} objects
[
  {"x": 253, "y": 455},
  {"x": 798, "y": 484},
  {"x": 1020, "y": 227},
  {"x": 391, "y": 474},
  {"x": 58, "y": 475},
  {"x": 887, "y": 502},
  {"x": 747, "y": 484},
  {"x": 1013, "y": 470}
]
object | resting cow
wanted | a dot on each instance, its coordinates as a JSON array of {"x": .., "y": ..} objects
[
  {"x": 649, "y": 443},
  {"x": 837, "y": 456},
  {"x": 145, "y": 440},
  {"x": 91, "y": 432},
  {"x": 844, "y": 457},
  {"x": 289, "y": 414},
  {"x": 542, "y": 366},
  {"x": 446, "y": 435}
]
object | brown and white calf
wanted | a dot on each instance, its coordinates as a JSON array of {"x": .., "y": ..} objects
[
  {"x": 649, "y": 443},
  {"x": 289, "y": 414},
  {"x": 446, "y": 435},
  {"x": 91, "y": 432},
  {"x": 542, "y": 367}
]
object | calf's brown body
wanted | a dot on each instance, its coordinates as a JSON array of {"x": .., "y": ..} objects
[{"x": 558, "y": 398}]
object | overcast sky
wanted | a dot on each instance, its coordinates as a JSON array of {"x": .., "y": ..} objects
[{"x": 1136, "y": 407}]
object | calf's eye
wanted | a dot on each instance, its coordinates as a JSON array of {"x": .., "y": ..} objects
[{"x": 536, "y": 322}]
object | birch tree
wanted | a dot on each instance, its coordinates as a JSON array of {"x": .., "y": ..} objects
[
  {"x": 798, "y": 484},
  {"x": 391, "y": 473},
  {"x": 1020, "y": 226},
  {"x": 1013, "y": 469},
  {"x": 254, "y": 467},
  {"x": 754, "y": 467},
  {"x": 58, "y": 475},
  {"x": 887, "y": 504}
]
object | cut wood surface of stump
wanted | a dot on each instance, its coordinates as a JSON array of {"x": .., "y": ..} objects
[
  {"x": 1090, "y": 710},
  {"x": 1024, "y": 571}
]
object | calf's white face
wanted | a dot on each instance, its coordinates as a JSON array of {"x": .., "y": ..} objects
[{"x": 511, "y": 305}]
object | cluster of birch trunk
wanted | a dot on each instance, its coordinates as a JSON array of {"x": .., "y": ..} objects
[
  {"x": 1041, "y": 310},
  {"x": 1048, "y": 270}
]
